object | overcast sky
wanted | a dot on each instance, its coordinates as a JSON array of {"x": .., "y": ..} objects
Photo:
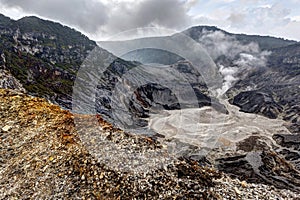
[{"x": 100, "y": 19}]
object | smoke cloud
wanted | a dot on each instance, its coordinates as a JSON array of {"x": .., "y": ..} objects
[
  {"x": 231, "y": 56},
  {"x": 217, "y": 43},
  {"x": 229, "y": 78}
]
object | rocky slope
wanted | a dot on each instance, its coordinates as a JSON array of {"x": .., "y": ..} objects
[
  {"x": 258, "y": 74},
  {"x": 245, "y": 145},
  {"x": 8, "y": 81},
  {"x": 275, "y": 89},
  {"x": 43, "y": 156},
  {"x": 44, "y": 56},
  {"x": 271, "y": 88},
  {"x": 261, "y": 73},
  {"x": 150, "y": 89}
]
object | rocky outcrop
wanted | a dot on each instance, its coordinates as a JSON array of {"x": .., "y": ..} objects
[
  {"x": 276, "y": 91},
  {"x": 261, "y": 167},
  {"x": 7, "y": 81},
  {"x": 146, "y": 96},
  {"x": 44, "y": 56},
  {"x": 257, "y": 102}
]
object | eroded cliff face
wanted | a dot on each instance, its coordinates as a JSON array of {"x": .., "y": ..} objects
[
  {"x": 132, "y": 92},
  {"x": 273, "y": 91},
  {"x": 8, "y": 81},
  {"x": 44, "y": 56}
]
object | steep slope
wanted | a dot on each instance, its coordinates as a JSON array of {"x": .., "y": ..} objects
[
  {"x": 8, "y": 81},
  {"x": 44, "y": 56},
  {"x": 131, "y": 93},
  {"x": 275, "y": 89},
  {"x": 260, "y": 73},
  {"x": 260, "y": 76},
  {"x": 265, "y": 77}
]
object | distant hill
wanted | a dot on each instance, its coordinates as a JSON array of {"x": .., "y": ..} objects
[{"x": 265, "y": 42}]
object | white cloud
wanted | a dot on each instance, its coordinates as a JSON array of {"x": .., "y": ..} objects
[
  {"x": 290, "y": 30},
  {"x": 264, "y": 18},
  {"x": 167, "y": 13},
  {"x": 102, "y": 18}
]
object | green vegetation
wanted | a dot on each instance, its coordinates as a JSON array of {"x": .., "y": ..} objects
[
  {"x": 55, "y": 42},
  {"x": 64, "y": 36}
]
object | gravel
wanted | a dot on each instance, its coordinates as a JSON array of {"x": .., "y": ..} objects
[{"x": 45, "y": 155}]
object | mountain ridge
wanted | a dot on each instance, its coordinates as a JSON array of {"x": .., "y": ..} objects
[
  {"x": 243, "y": 37},
  {"x": 42, "y": 54},
  {"x": 260, "y": 76},
  {"x": 45, "y": 56}
]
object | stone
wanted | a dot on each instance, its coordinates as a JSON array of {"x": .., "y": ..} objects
[
  {"x": 244, "y": 184},
  {"x": 237, "y": 190},
  {"x": 6, "y": 128}
]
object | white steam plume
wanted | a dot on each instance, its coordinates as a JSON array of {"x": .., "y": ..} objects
[{"x": 232, "y": 56}]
